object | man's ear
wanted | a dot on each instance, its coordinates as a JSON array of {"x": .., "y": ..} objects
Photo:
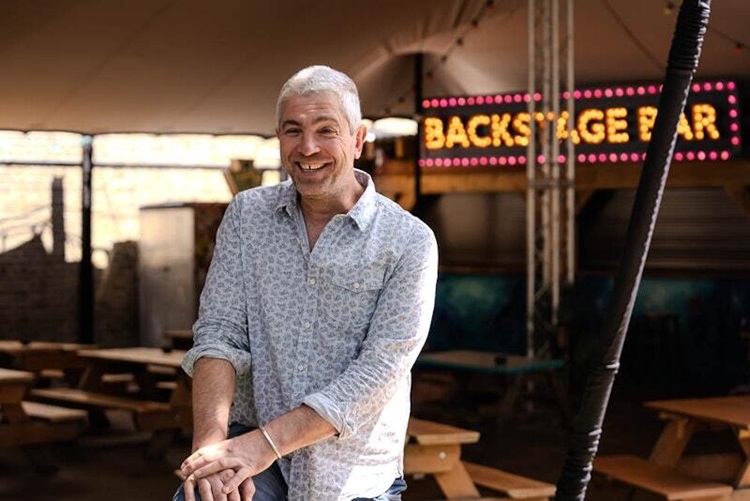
[{"x": 359, "y": 138}]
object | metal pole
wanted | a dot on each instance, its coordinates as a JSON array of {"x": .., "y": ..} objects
[
  {"x": 570, "y": 176},
  {"x": 555, "y": 164},
  {"x": 587, "y": 428},
  {"x": 86, "y": 270},
  {"x": 530, "y": 191},
  {"x": 546, "y": 107}
]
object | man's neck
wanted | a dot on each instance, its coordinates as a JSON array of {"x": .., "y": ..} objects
[{"x": 317, "y": 212}]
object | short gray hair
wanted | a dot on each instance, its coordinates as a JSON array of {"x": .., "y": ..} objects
[{"x": 323, "y": 80}]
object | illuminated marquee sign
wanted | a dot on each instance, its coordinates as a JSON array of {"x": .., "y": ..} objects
[{"x": 611, "y": 124}]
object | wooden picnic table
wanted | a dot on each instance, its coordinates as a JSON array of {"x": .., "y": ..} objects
[
  {"x": 148, "y": 367},
  {"x": 24, "y": 423},
  {"x": 44, "y": 358},
  {"x": 431, "y": 448},
  {"x": 435, "y": 449},
  {"x": 464, "y": 364},
  {"x": 685, "y": 417},
  {"x": 674, "y": 471}
]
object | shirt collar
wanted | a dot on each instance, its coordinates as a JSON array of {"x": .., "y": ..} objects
[{"x": 362, "y": 213}]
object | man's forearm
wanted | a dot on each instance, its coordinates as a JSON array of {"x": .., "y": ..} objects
[
  {"x": 213, "y": 390},
  {"x": 298, "y": 428}
]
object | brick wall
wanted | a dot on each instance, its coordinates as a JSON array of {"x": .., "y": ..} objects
[
  {"x": 38, "y": 298},
  {"x": 39, "y": 282}
]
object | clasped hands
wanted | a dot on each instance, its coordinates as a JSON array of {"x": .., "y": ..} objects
[{"x": 223, "y": 471}]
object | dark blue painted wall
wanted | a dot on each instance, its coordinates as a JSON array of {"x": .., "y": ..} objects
[{"x": 684, "y": 336}]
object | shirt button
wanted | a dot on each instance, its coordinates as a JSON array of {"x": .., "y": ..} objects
[
  {"x": 311, "y": 281},
  {"x": 307, "y": 325},
  {"x": 301, "y": 367},
  {"x": 356, "y": 286}
]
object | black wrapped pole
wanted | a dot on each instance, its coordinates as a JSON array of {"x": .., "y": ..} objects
[{"x": 692, "y": 22}]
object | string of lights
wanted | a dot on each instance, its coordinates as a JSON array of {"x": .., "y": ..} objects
[
  {"x": 659, "y": 64},
  {"x": 458, "y": 42},
  {"x": 669, "y": 7}
]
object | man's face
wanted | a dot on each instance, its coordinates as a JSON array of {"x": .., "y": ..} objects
[{"x": 317, "y": 149}]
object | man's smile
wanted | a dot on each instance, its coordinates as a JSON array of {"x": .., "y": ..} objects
[{"x": 310, "y": 167}]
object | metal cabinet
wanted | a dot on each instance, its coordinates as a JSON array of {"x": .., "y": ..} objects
[{"x": 175, "y": 250}]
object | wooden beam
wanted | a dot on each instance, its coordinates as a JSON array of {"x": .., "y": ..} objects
[
  {"x": 681, "y": 175},
  {"x": 740, "y": 195},
  {"x": 397, "y": 178}
]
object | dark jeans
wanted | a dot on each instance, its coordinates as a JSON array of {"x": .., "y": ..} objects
[{"x": 271, "y": 486}]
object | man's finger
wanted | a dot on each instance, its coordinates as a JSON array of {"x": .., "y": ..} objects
[
  {"x": 188, "y": 487},
  {"x": 204, "y": 488},
  {"x": 191, "y": 464},
  {"x": 234, "y": 496},
  {"x": 247, "y": 490},
  {"x": 217, "y": 466},
  {"x": 199, "y": 458},
  {"x": 217, "y": 486},
  {"x": 237, "y": 479}
]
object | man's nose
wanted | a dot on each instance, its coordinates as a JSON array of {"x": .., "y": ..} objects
[{"x": 309, "y": 145}]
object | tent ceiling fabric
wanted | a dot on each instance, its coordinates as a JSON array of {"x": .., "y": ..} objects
[{"x": 166, "y": 66}]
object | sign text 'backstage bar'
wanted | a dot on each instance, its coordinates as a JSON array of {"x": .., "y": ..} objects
[{"x": 611, "y": 124}]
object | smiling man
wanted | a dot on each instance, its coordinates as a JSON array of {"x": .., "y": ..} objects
[{"x": 316, "y": 305}]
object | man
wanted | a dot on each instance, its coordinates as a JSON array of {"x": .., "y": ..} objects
[{"x": 316, "y": 305}]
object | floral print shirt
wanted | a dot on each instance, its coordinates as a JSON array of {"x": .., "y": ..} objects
[{"x": 337, "y": 328}]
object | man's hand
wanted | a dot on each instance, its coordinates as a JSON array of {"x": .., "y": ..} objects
[
  {"x": 211, "y": 488},
  {"x": 231, "y": 463}
]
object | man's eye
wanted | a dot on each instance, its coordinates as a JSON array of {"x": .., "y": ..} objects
[
  {"x": 291, "y": 132},
  {"x": 328, "y": 132}
]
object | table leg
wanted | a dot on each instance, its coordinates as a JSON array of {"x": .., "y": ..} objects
[
  {"x": 181, "y": 401},
  {"x": 672, "y": 441},
  {"x": 743, "y": 476},
  {"x": 91, "y": 378},
  {"x": 510, "y": 399},
  {"x": 456, "y": 483}
]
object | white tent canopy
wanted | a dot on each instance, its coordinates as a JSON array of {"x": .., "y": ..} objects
[{"x": 166, "y": 66}]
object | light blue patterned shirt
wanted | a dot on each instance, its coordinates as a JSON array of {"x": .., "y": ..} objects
[{"x": 337, "y": 328}]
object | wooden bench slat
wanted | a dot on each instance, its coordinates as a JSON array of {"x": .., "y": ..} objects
[
  {"x": 167, "y": 385},
  {"x": 52, "y": 413},
  {"x": 93, "y": 399},
  {"x": 659, "y": 479},
  {"x": 509, "y": 484},
  {"x": 430, "y": 433}
]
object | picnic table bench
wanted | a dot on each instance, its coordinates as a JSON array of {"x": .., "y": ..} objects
[
  {"x": 23, "y": 424},
  {"x": 163, "y": 419},
  {"x": 435, "y": 449}
]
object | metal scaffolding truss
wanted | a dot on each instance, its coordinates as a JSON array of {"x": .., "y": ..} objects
[{"x": 550, "y": 168}]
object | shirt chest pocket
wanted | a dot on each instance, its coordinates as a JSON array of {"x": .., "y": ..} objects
[{"x": 350, "y": 295}]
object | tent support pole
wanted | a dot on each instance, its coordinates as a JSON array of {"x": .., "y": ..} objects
[
  {"x": 418, "y": 111},
  {"x": 86, "y": 270}
]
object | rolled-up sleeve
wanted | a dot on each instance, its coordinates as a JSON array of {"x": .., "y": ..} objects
[
  {"x": 397, "y": 333},
  {"x": 221, "y": 328}
]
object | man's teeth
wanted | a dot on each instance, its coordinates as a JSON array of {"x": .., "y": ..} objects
[{"x": 311, "y": 167}]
